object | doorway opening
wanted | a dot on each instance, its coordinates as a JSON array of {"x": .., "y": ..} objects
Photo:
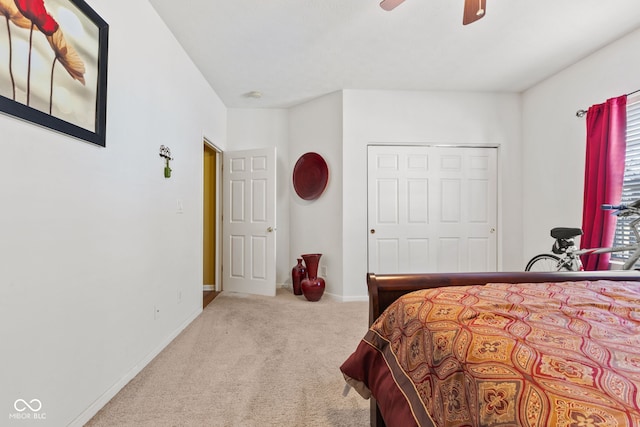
[{"x": 211, "y": 253}]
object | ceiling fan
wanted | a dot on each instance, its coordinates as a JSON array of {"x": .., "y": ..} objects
[{"x": 473, "y": 9}]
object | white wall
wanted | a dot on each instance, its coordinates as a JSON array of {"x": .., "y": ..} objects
[
  {"x": 316, "y": 225},
  {"x": 554, "y": 138},
  {"x": 90, "y": 241},
  {"x": 339, "y": 126},
  {"x": 393, "y": 117},
  {"x": 263, "y": 128}
]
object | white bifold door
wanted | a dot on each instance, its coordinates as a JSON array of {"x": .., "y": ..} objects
[
  {"x": 432, "y": 209},
  {"x": 249, "y": 222}
]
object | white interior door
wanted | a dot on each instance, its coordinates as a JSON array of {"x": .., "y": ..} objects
[
  {"x": 432, "y": 209},
  {"x": 249, "y": 221}
]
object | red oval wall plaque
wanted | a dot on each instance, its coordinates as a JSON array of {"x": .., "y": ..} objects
[{"x": 310, "y": 176}]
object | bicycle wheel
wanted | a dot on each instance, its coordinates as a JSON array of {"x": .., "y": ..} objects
[{"x": 546, "y": 262}]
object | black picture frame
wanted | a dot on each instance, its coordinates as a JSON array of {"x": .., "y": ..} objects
[{"x": 76, "y": 102}]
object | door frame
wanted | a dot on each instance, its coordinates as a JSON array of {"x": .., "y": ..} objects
[{"x": 217, "y": 215}]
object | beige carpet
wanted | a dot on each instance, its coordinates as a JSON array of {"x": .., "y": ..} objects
[{"x": 250, "y": 361}]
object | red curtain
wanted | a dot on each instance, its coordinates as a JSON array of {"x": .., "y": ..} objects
[{"x": 604, "y": 171}]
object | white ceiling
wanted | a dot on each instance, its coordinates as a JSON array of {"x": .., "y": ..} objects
[{"x": 296, "y": 50}]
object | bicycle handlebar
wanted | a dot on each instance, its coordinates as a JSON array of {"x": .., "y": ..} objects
[
  {"x": 622, "y": 209},
  {"x": 614, "y": 207}
]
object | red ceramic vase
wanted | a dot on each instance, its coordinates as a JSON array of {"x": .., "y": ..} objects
[
  {"x": 298, "y": 273},
  {"x": 312, "y": 286}
]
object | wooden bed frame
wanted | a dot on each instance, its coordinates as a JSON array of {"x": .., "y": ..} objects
[{"x": 386, "y": 288}]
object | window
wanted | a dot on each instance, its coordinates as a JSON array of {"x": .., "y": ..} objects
[{"x": 631, "y": 184}]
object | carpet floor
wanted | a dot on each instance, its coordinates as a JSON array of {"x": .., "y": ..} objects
[{"x": 250, "y": 361}]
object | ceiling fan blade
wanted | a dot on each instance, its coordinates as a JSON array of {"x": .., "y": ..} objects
[
  {"x": 390, "y": 4},
  {"x": 474, "y": 10}
]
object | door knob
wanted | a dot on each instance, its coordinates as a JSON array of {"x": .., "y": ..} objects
[
  {"x": 270, "y": 229},
  {"x": 373, "y": 231}
]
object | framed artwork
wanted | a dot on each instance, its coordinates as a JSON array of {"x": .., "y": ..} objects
[{"x": 53, "y": 66}]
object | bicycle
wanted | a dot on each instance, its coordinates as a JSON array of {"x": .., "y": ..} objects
[{"x": 566, "y": 256}]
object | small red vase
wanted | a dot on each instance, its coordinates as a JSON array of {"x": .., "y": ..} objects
[
  {"x": 298, "y": 273},
  {"x": 312, "y": 286}
]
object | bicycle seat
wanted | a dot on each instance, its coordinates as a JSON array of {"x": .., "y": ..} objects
[{"x": 565, "y": 233}]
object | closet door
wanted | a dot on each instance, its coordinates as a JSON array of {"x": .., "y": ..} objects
[{"x": 432, "y": 209}]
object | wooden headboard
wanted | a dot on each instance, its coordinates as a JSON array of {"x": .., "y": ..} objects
[{"x": 386, "y": 288}]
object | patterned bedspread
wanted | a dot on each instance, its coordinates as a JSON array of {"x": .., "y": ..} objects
[{"x": 538, "y": 354}]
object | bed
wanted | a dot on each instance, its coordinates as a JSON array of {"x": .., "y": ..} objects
[{"x": 501, "y": 349}]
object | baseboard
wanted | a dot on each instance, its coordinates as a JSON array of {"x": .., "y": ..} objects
[
  {"x": 208, "y": 287},
  {"x": 342, "y": 298},
  {"x": 355, "y": 299},
  {"x": 92, "y": 410}
]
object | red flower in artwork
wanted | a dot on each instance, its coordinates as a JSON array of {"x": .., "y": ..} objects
[{"x": 37, "y": 13}]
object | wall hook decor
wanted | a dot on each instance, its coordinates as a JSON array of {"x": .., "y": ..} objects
[{"x": 165, "y": 153}]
